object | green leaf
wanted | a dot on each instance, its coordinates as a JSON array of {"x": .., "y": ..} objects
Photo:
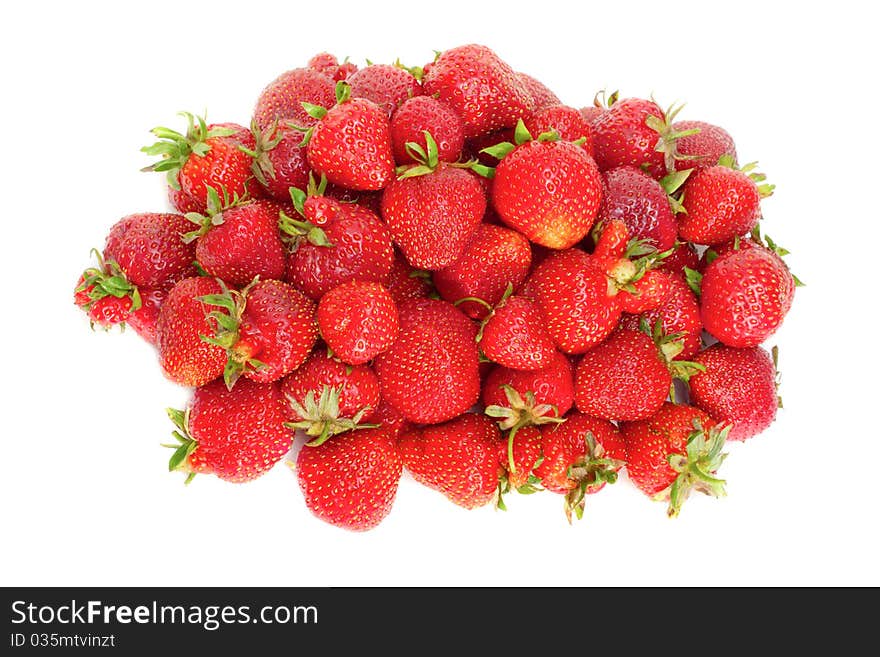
[
  {"x": 521, "y": 134},
  {"x": 694, "y": 280},
  {"x": 499, "y": 151},
  {"x": 315, "y": 111}
]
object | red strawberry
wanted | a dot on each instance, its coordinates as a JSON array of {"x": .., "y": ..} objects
[
  {"x": 419, "y": 114},
  {"x": 580, "y": 455},
  {"x": 513, "y": 335},
  {"x": 431, "y": 372},
  {"x": 386, "y": 85},
  {"x": 405, "y": 282},
  {"x": 279, "y": 160},
  {"x": 552, "y": 387},
  {"x": 432, "y": 209},
  {"x": 566, "y": 121},
  {"x": 389, "y": 417},
  {"x": 351, "y": 481},
  {"x": 282, "y": 99},
  {"x": 236, "y": 434},
  {"x": 745, "y": 295},
  {"x": 541, "y": 96},
  {"x": 704, "y": 148},
  {"x": 143, "y": 321},
  {"x": 738, "y": 387},
  {"x": 182, "y": 202},
  {"x": 721, "y": 203},
  {"x": 358, "y": 320},
  {"x": 458, "y": 458},
  {"x": 240, "y": 241},
  {"x": 548, "y": 190},
  {"x": 526, "y": 454},
  {"x": 640, "y": 202},
  {"x": 683, "y": 255},
  {"x": 329, "y": 65},
  {"x": 480, "y": 87},
  {"x": 206, "y": 157},
  {"x": 183, "y": 323},
  {"x": 675, "y": 451},
  {"x": 495, "y": 258},
  {"x": 351, "y": 143}
]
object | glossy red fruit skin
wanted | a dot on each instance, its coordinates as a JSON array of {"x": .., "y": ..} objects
[
  {"x": 496, "y": 257},
  {"x": 704, "y": 148},
  {"x": 143, "y": 320},
  {"x": 480, "y": 87},
  {"x": 566, "y": 121},
  {"x": 185, "y": 357},
  {"x": 541, "y": 95},
  {"x": 431, "y": 372},
  {"x": 327, "y": 64},
  {"x": 678, "y": 313},
  {"x": 358, "y": 320},
  {"x": 281, "y": 99},
  {"x": 622, "y": 137},
  {"x": 351, "y": 145},
  {"x": 515, "y": 337},
  {"x": 746, "y": 295},
  {"x": 458, "y": 458},
  {"x": 624, "y": 378},
  {"x": 405, "y": 281},
  {"x": 526, "y": 454},
  {"x": 552, "y": 385},
  {"x": 737, "y": 388},
  {"x": 290, "y": 165},
  {"x": 358, "y": 385},
  {"x": 433, "y": 217},
  {"x": 722, "y": 203},
  {"x": 418, "y": 114},
  {"x": 351, "y": 480},
  {"x": 683, "y": 255},
  {"x": 361, "y": 250},
  {"x": 149, "y": 248},
  {"x": 240, "y": 432},
  {"x": 245, "y": 243},
  {"x": 650, "y": 442},
  {"x": 549, "y": 191},
  {"x": 386, "y": 85},
  {"x": 638, "y": 200}
]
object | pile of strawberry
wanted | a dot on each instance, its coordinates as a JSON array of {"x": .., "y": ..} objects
[{"x": 446, "y": 270}]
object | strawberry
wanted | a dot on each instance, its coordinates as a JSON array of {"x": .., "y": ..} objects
[
  {"x": 541, "y": 96},
  {"x": 480, "y": 87},
  {"x": 550, "y": 191},
  {"x": 358, "y": 320},
  {"x": 745, "y": 295},
  {"x": 282, "y": 99},
  {"x": 431, "y": 372},
  {"x": 239, "y": 241},
  {"x": 237, "y": 435},
  {"x": 421, "y": 114},
  {"x": 640, "y": 202},
  {"x": 580, "y": 455},
  {"x": 526, "y": 454},
  {"x": 268, "y": 330},
  {"x": 721, "y": 203},
  {"x": 552, "y": 389},
  {"x": 565, "y": 121},
  {"x": 458, "y": 458},
  {"x": 432, "y": 209},
  {"x": 738, "y": 387},
  {"x": 279, "y": 160},
  {"x": 351, "y": 142},
  {"x": 683, "y": 255},
  {"x": 405, "y": 282},
  {"x": 704, "y": 148},
  {"x": 181, "y": 328},
  {"x": 143, "y": 321},
  {"x": 495, "y": 257},
  {"x": 206, "y": 157},
  {"x": 513, "y": 335},
  {"x": 675, "y": 451},
  {"x": 386, "y": 85},
  {"x": 327, "y": 64},
  {"x": 106, "y": 296},
  {"x": 351, "y": 481}
]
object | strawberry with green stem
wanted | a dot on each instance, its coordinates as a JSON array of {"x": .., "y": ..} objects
[
  {"x": 421, "y": 114},
  {"x": 281, "y": 101},
  {"x": 513, "y": 334},
  {"x": 705, "y": 147},
  {"x": 358, "y": 320},
  {"x": 279, "y": 159},
  {"x": 386, "y": 85}
]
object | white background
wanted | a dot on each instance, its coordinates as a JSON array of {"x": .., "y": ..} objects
[{"x": 85, "y": 498}]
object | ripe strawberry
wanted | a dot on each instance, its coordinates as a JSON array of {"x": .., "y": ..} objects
[
  {"x": 358, "y": 320},
  {"x": 552, "y": 388},
  {"x": 240, "y": 241},
  {"x": 541, "y": 96},
  {"x": 268, "y": 330},
  {"x": 351, "y": 481},
  {"x": 566, "y": 121},
  {"x": 282, "y": 99},
  {"x": 458, "y": 458},
  {"x": 351, "y": 143},
  {"x": 386, "y": 85},
  {"x": 206, "y": 157},
  {"x": 495, "y": 258},
  {"x": 279, "y": 160},
  {"x": 431, "y": 372},
  {"x": 480, "y": 87},
  {"x": 185, "y": 356},
  {"x": 405, "y": 282},
  {"x": 236, "y": 434},
  {"x": 675, "y": 451},
  {"x": 421, "y": 114},
  {"x": 513, "y": 335},
  {"x": 526, "y": 454},
  {"x": 745, "y": 295},
  {"x": 580, "y": 455},
  {"x": 738, "y": 387},
  {"x": 329, "y": 65},
  {"x": 640, "y": 202},
  {"x": 721, "y": 203},
  {"x": 683, "y": 255},
  {"x": 550, "y": 191},
  {"x": 704, "y": 148}
]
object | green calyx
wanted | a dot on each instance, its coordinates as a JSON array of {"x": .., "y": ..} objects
[
  {"x": 697, "y": 468},
  {"x": 175, "y": 148},
  {"x": 265, "y": 140},
  {"x": 764, "y": 189},
  {"x": 295, "y": 231},
  {"x": 321, "y": 417},
  {"x": 694, "y": 279},
  {"x": 427, "y": 159},
  {"x": 590, "y": 472},
  {"x": 416, "y": 71},
  {"x": 777, "y": 377},
  {"x": 185, "y": 444},
  {"x": 604, "y": 100},
  {"x": 671, "y": 184},
  {"x": 667, "y": 137},
  {"x": 108, "y": 280},
  {"x": 669, "y": 346},
  {"x": 213, "y": 216},
  {"x": 765, "y": 241}
]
